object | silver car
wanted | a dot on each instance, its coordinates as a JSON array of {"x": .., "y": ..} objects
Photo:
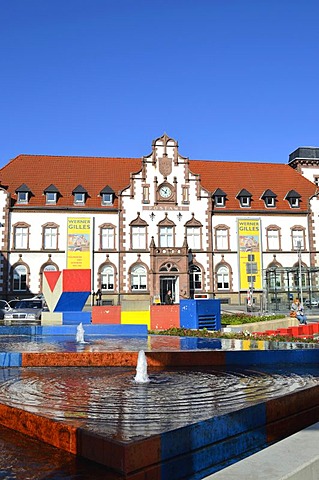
[
  {"x": 28, "y": 311},
  {"x": 4, "y": 307}
]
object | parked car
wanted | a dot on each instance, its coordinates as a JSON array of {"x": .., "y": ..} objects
[
  {"x": 4, "y": 307},
  {"x": 26, "y": 311},
  {"x": 311, "y": 304}
]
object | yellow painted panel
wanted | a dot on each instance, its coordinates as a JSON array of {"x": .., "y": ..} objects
[
  {"x": 246, "y": 344},
  {"x": 136, "y": 318}
]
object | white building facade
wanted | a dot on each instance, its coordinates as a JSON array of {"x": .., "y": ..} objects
[{"x": 162, "y": 222}]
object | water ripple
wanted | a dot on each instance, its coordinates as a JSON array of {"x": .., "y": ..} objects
[{"x": 108, "y": 400}]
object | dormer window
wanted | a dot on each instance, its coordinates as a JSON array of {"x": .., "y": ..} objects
[
  {"x": 80, "y": 195},
  {"x": 293, "y": 198},
  {"x": 51, "y": 195},
  {"x": 219, "y": 197},
  {"x": 244, "y": 198},
  {"x": 269, "y": 198},
  {"x": 107, "y": 199},
  {"x": 79, "y": 198},
  {"x": 23, "y": 193},
  {"x": 107, "y": 196},
  {"x": 23, "y": 197}
]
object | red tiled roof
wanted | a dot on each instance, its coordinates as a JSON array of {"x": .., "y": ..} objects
[
  {"x": 231, "y": 177},
  {"x": 94, "y": 173},
  {"x": 66, "y": 173}
]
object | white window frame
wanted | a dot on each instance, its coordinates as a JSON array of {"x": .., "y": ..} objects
[
  {"x": 107, "y": 198},
  {"x": 107, "y": 278},
  {"x": 273, "y": 239},
  {"x": 50, "y": 198},
  {"x": 166, "y": 237},
  {"x": 138, "y": 278},
  {"x": 23, "y": 197},
  {"x": 193, "y": 235},
  {"x": 50, "y": 238},
  {"x": 219, "y": 201},
  {"x": 21, "y": 235},
  {"x": 79, "y": 198},
  {"x": 107, "y": 238},
  {"x": 20, "y": 273},
  {"x": 138, "y": 237},
  {"x": 222, "y": 240},
  {"x": 245, "y": 201},
  {"x": 223, "y": 278}
]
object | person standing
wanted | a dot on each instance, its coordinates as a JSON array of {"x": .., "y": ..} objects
[
  {"x": 98, "y": 297},
  {"x": 168, "y": 298}
]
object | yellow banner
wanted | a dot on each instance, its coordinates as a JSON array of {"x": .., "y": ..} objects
[
  {"x": 79, "y": 243},
  {"x": 249, "y": 254}
]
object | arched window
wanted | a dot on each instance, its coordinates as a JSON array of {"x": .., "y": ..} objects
[
  {"x": 223, "y": 278},
  {"x": 107, "y": 277},
  {"x": 50, "y": 267},
  {"x": 20, "y": 278},
  {"x": 195, "y": 278},
  {"x": 138, "y": 278}
]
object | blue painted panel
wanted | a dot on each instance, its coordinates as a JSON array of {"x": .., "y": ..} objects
[
  {"x": 271, "y": 357},
  {"x": 74, "y": 318},
  {"x": 72, "y": 301},
  {"x": 211, "y": 444},
  {"x": 216, "y": 429},
  {"x": 200, "y": 314},
  {"x": 194, "y": 343},
  {"x": 10, "y": 359}
]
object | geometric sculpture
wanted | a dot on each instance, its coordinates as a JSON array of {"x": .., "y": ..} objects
[{"x": 68, "y": 290}]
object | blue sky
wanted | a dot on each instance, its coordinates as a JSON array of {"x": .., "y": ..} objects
[{"x": 228, "y": 79}]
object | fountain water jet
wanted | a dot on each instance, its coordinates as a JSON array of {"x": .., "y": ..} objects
[
  {"x": 141, "y": 368},
  {"x": 80, "y": 334}
]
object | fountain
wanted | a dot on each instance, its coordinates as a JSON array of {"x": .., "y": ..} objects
[
  {"x": 141, "y": 368},
  {"x": 80, "y": 334}
]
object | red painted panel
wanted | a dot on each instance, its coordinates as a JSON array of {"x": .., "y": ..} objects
[
  {"x": 52, "y": 278},
  {"x": 164, "y": 317},
  {"x": 77, "y": 280},
  {"x": 107, "y": 314}
]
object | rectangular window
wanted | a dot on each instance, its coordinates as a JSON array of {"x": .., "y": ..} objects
[
  {"x": 50, "y": 197},
  {"x": 50, "y": 238},
  {"x": 21, "y": 237},
  {"x": 297, "y": 240},
  {"x": 193, "y": 237},
  {"x": 219, "y": 201},
  {"x": 185, "y": 194},
  {"x": 79, "y": 198},
  {"x": 107, "y": 238},
  {"x": 139, "y": 238},
  {"x": 273, "y": 239},
  {"x": 222, "y": 239},
  {"x": 166, "y": 237},
  {"x": 23, "y": 197},
  {"x": 146, "y": 194},
  {"x": 270, "y": 201},
  {"x": 294, "y": 202},
  {"x": 245, "y": 201},
  {"x": 107, "y": 198}
]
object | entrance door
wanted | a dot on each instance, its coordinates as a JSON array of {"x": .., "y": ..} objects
[{"x": 168, "y": 283}]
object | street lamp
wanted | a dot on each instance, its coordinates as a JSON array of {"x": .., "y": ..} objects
[{"x": 300, "y": 273}]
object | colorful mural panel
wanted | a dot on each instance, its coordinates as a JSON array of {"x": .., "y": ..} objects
[{"x": 249, "y": 251}]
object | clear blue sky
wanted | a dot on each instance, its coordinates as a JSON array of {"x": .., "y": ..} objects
[{"x": 229, "y": 79}]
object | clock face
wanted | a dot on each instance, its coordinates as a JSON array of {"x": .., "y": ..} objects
[{"x": 165, "y": 191}]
